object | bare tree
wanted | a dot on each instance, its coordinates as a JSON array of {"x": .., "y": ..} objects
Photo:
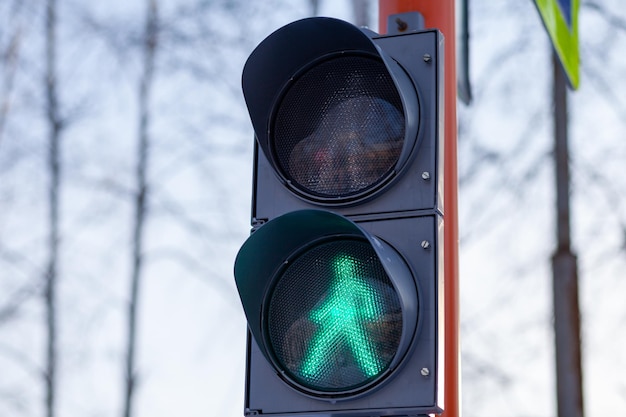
[
  {"x": 315, "y": 7},
  {"x": 360, "y": 9},
  {"x": 9, "y": 57},
  {"x": 149, "y": 48},
  {"x": 55, "y": 127}
]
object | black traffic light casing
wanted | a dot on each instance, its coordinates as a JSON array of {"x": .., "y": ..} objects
[
  {"x": 327, "y": 193},
  {"x": 417, "y": 61}
]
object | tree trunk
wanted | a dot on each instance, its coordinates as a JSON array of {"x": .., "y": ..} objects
[
  {"x": 315, "y": 7},
  {"x": 149, "y": 49},
  {"x": 360, "y": 9},
  {"x": 10, "y": 63},
  {"x": 54, "y": 167}
]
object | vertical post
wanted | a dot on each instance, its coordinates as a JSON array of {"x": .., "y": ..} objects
[
  {"x": 564, "y": 267},
  {"x": 441, "y": 15}
]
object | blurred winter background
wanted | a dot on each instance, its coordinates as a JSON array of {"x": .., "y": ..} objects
[{"x": 125, "y": 173}]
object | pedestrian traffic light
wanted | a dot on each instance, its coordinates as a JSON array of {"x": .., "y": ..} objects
[{"x": 341, "y": 279}]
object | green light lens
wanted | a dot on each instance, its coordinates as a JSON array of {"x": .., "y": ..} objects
[{"x": 334, "y": 320}]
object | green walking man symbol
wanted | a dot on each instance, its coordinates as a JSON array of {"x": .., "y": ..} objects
[{"x": 341, "y": 319}]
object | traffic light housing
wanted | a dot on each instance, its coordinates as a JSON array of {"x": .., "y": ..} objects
[{"x": 341, "y": 279}]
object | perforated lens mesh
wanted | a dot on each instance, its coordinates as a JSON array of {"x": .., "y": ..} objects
[
  {"x": 339, "y": 130},
  {"x": 334, "y": 320}
]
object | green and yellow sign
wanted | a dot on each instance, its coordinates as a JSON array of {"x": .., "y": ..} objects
[{"x": 560, "y": 18}]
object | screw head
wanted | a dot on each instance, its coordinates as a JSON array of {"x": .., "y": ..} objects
[
  {"x": 425, "y": 175},
  {"x": 427, "y": 58},
  {"x": 402, "y": 25},
  {"x": 425, "y": 244},
  {"x": 424, "y": 372}
]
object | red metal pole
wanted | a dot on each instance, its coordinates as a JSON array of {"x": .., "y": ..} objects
[{"x": 440, "y": 15}]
